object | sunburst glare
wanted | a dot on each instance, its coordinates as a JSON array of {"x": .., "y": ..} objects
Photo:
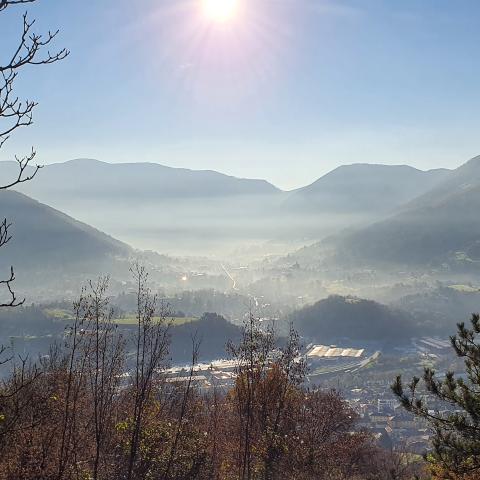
[{"x": 220, "y": 10}]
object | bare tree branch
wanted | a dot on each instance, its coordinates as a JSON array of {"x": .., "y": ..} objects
[
  {"x": 29, "y": 51},
  {"x": 32, "y": 49},
  {"x": 23, "y": 164},
  {"x": 14, "y": 302},
  {"x": 6, "y": 3}
]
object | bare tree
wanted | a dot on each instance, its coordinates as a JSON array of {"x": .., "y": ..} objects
[
  {"x": 288, "y": 372},
  {"x": 104, "y": 351},
  {"x": 252, "y": 357},
  {"x": 31, "y": 49},
  {"x": 76, "y": 376},
  {"x": 185, "y": 398},
  {"x": 15, "y": 395},
  {"x": 151, "y": 350}
]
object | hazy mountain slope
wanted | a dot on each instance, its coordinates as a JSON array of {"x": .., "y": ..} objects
[
  {"x": 458, "y": 182},
  {"x": 155, "y": 207},
  {"x": 85, "y": 177},
  {"x": 352, "y": 318},
  {"x": 44, "y": 238},
  {"x": 365, "y": 188},
  {"x": 433, "y": 228},
  {"x": 179, "y": 211}
]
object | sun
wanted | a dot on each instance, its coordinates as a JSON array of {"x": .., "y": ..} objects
[{"x": 220, "y": 11}]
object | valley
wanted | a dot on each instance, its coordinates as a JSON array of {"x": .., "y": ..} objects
[
  {"x": 239, "y": 240},
  {"x": 361, "y": 281}
]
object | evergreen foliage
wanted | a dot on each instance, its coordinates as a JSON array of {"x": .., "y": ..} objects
[{"x": 456, "y": 439}]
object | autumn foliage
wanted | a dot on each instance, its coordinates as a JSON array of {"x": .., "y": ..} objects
[{"x": 102, "y": 407}]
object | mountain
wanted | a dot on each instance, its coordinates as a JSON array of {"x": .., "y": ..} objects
[
  {"x": 437, "y": 227},
  {"x": 44, "y": 239},
  {"x": 365, "y": 188},
  {"x": 172, "y": 210},
  {"x": 88, "y": 177},
  {"x": 179, "y": 211},
  {"x": 463, "y": 180},
  {"x": 350, "y": 318}
]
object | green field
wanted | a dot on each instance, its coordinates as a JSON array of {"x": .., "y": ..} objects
[
  {"x": 130, "y": 319},
  {"x": 58, "y": 313},
  {"x": 465, "y": 288}
]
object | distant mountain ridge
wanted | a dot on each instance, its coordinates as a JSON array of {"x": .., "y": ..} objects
[
  {"x": 366, "y": 187},
  {"x": 89, "y": 176},
  {"x": 442, "y": 225},
  {"x": 362, "y": 182},
  {"x": 179, "y": 211}
]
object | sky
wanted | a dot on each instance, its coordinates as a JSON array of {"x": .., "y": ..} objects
[{"x": 285, "y": 90}]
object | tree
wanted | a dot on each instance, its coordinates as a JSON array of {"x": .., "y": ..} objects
[
  {"x": 84, "y": 418},
  {"x": 15, "y": 114},
  {"x": 104, "y": 351},
  {"x": 263, "y": 396},
  {"x": 253, "y": 357},
  {"x": 456, "y": 440},
  {"x": 151, "y": 349},
  {"x": 31, "y": 49},
  {"x": 276, "y": 428}
]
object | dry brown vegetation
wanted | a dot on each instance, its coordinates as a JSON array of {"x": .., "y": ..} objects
[{"x": 76, "y": 415}]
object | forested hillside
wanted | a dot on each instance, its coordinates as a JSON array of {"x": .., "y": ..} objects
[{"x": 355, "y": 319}]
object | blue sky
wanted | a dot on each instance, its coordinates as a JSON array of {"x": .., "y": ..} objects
[{"x": 287, "y": 91}]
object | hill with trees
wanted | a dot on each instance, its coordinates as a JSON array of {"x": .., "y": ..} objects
[
  {"x": 439, "y": 309},
  {"x": 212, "y": 332},
  {"x": 352, "y": 318}
]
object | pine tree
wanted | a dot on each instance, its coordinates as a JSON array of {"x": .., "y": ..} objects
[{"x": 456, "y": 440}]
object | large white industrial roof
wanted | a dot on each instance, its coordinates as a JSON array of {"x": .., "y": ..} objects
[{"x": 324, "y": 351}]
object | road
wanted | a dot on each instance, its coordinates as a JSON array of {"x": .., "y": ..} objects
[{"x": 234, "y": 283}]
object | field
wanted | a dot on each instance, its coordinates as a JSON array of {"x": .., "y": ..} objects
[
  {"x": 58, "y": 313},
  {"x": 129, "y": 319},
  {"x": 465, "y": 288},
  {"x": 132, "y": 320}
]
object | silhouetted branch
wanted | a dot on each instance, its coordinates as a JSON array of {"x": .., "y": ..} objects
[
  {"x": 22, "y": 177},
  {"x": 31, "y": 49},
  {"x": 30, "y": 45},
  {"x": 6, "y": 3},
  {"x": 14, "y": 302},
  {"x": 4, "y": 234},
  {"x": 6, "y": 359}
]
